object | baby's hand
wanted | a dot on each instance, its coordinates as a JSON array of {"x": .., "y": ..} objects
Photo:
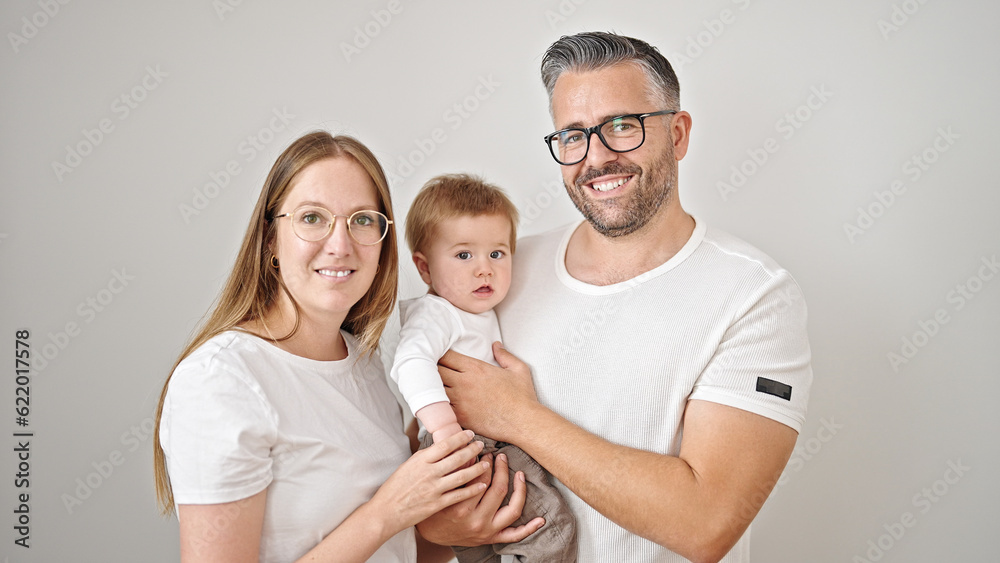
[{"x": 446, "y": 432}]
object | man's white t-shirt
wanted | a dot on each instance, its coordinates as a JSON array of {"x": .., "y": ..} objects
[
  {"x": 720, "y": 321},
  {"x": 242, "y": 415}
]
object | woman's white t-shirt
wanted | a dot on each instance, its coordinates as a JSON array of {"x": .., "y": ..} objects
[{"x": 242, "y": 415}]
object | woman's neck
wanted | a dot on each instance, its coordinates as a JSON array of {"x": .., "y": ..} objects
[{"x": 315, "y": 338}]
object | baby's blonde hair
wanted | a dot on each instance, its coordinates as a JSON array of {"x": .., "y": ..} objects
[{"x": 455, "y": 195}]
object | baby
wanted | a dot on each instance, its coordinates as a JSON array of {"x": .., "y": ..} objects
[{"x": 462, "y": 233}]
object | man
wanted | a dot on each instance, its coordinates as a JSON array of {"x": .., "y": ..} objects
[{"x": 670, "y": 360}]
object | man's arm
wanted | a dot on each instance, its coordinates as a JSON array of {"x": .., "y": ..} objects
[{"x": 697, "y": 504}]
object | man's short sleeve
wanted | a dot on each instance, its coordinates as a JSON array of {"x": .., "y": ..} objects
[
  {"x": 762, "y": 364},
  {"x": 217, "y": 430}
]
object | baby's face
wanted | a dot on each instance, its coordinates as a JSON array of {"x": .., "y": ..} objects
[{"x": 468, "y": 261}]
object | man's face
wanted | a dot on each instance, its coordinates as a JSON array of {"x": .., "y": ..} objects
[{"x": 618, "y": 193}]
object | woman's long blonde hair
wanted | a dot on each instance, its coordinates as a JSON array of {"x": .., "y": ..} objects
[{"x": 253, "y": 286}]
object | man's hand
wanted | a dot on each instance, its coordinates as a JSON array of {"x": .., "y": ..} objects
[
  {"x": 486, "y": 398},
  {"x": 480, "y": 520}
]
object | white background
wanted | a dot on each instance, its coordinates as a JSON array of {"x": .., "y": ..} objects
[{"x": 876, "y": 436}]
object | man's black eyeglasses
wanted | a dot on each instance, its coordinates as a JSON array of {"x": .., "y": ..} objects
[{"x": 623, "y": 133}]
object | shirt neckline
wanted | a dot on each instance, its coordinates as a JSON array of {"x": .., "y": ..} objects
[
  {"x": 484, "y": 315},
  {"x": 697, "y": 236},
  {"x": 321, "y": 366}
]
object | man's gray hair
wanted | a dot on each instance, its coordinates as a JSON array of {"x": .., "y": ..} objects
[{"x": 596, "y": 50}]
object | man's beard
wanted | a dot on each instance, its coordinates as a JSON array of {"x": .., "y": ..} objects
[{"x": 626, "y": 214}]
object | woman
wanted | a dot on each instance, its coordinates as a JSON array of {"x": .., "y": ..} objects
[{"x": 277, "y": 437}]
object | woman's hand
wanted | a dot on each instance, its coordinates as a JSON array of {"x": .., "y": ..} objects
[
  {"x": 481, "y": 520},
  {"x": 421, "y": 486},
  {"x": 430, "y": 481}
]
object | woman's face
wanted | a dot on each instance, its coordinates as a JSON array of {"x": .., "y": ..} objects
[{"x": 327, "y": 277}]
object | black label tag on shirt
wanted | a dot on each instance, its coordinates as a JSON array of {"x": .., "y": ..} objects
[{"x": 776, "y": 388}]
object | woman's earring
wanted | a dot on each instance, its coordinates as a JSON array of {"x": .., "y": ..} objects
[{"x": 274, "y": 262}]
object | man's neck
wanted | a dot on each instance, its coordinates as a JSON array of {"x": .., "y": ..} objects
[{"x": 601, "y": 260}]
